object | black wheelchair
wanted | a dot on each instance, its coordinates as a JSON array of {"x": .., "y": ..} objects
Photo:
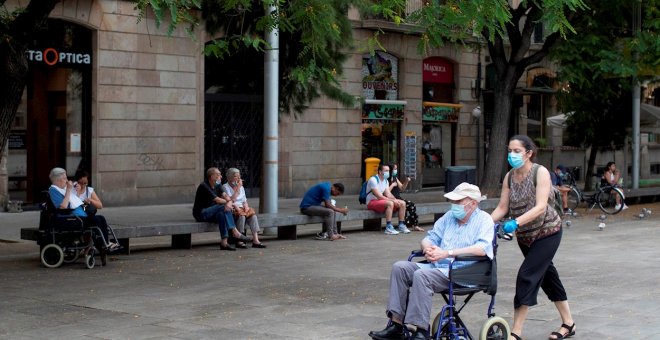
[
  {"x": 64, "y": 237},
  {"x": 465, "y": 282}
]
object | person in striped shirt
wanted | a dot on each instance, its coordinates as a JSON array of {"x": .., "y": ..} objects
[{"x": 466, "y": 230}]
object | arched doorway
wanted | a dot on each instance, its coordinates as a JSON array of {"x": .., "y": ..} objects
[{"x": 53, "y": 123}]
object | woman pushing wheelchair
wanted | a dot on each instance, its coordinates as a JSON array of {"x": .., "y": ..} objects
[{"x": 538, "y": 229}]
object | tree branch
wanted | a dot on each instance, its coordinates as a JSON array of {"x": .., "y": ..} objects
[
  {"x": 513, "y": 27},
  {"x": 496, "y": 51},
  {"x": 31, "y": 21},
  {"x": 550, "y": 41},
  {"x": 525, "y": 40}
]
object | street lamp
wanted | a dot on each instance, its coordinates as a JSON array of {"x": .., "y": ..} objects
[{"x": 476, "y": 113}]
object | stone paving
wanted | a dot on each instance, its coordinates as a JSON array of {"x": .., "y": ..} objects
[{"x": 308, "y": 289}]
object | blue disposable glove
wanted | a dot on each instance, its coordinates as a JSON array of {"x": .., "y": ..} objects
[{"x": 510, "y": 226}]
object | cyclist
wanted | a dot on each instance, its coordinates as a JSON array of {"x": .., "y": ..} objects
[
  {"x": 611, "y": 177},
  {"x": 558, "y": 182}
]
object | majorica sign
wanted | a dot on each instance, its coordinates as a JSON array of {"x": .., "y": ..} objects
[{"x": 51, "y": 56}]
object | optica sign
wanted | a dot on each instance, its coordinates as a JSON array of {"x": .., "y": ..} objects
[{"x": 51, "y": 56}]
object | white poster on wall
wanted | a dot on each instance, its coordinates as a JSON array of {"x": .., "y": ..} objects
[{"x": 75, "y": 142}]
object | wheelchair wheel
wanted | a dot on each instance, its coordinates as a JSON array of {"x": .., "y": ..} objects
[
  {"x": 52, "y": 256},
  {"x": 607, "y": 201},
  {"x": 89, "y": 259},
  {"x": 495, "y": 328},
  {"x": 573, "y": 199},
  {"x": 71, "y": 255},
  {"x": 435, "y": 326}
]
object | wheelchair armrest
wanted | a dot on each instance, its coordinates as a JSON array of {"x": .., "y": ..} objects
[
  {"x": 471, "y": 258},
  {"x": 415, "y": 253},
  {"x": 63, "y": 211}
]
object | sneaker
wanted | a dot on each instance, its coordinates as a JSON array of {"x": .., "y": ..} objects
[
  {"x": 625, "y": 207},
  {"x": 617, "y": 207},
  {"x": 321, "y": 236},
  {"x": 403, "y": 229},
  {"x": 389, "y": 230}
]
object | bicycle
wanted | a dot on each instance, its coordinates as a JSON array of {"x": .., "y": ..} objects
[{"x": 610, "y": 199}]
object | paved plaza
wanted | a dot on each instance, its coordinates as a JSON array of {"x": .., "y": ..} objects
[{"x": 308, "y": 289}]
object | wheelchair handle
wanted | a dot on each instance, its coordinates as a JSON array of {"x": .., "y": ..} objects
[{"x": 501, "y": 234}]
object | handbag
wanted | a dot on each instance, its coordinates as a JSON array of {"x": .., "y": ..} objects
[
  {"x": 249, "y": 212},
  {"x": 90, "y": 209}
]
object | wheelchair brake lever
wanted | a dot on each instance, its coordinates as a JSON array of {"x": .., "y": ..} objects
[{"x": 504, "y": 236}]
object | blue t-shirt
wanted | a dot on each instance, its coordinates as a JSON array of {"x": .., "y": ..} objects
[
  {"x": 556, "y": 180},
  {"x": 316, "y": 194},
  {"x": 57, "y": 199}
]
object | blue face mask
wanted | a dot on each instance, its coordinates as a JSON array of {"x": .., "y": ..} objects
[
  {"x": 386, "y": 175},
  {"x": 394, "y": 172},
  {"x": 217, "y": 182},
  {"x": 458, "y": 211},
  {"x": 516, "y": 160}
]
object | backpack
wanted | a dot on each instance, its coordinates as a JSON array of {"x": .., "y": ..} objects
[
  {"x": 554, "y": 200},
  {"x": 363, "y": 192}
]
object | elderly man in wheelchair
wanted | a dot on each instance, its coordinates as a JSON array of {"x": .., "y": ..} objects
[{"x": 466, "y": 231}]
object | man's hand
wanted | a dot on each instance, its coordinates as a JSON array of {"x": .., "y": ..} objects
[
  {"x": 343, "y": 210},
  {"x": 434, "y": 253},
  {"x": 229, "y": 206}
]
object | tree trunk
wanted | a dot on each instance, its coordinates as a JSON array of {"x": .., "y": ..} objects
[
  {"x": 497, "y": 149},
  {"x": 13, "y": 72},
  {"x": 589, "y": 173},
  {"x": 14, "y": 65}
]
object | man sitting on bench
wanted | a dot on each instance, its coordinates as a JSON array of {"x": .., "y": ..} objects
[
  {"x": 316, "y": 202},
  {"x": 212, "y": 204}
]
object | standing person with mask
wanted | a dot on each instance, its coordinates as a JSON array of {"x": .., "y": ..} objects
[
  {"x": 381, "y": 200},
  {"x": 212, "y": 204},
  {"x": 538, "y": 232},
  {"x": 396, "y": 187},
  {"x": 467, "y": 230}
]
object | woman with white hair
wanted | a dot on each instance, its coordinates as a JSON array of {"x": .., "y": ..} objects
[
  {"x": 63, "y": 195},
  {"x": 243, "y": 213}
]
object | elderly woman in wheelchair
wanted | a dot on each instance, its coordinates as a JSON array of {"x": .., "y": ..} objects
[
  {"x": 67, "y": 230},
  {"x": 460, "y": 241}
]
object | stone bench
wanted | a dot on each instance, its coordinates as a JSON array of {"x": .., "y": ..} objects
[{"x": 286, "y": 223}]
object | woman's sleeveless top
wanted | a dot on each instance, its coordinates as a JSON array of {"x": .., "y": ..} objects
[{"x": 522, "y": 198}]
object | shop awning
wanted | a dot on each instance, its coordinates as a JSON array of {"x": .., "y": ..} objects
[
  {"x": 375, "y": 109},
  {"x": 440, "y": 112}
]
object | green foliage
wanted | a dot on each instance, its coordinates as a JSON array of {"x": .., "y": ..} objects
[
  {"x": 6, "y": 19},
  {"x": 598, "y": 64},
  {"x": 459, "y": 21},
  {"x": 314, "y": 37},
  {"x": 631, "y": 53},
  {"x": 175, "y": 12}
]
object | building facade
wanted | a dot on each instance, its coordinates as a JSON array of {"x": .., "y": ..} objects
[
  {"x": 145, "y": 113},
  {"x": 112, "y": 96}
]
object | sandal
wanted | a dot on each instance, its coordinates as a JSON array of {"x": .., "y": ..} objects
[
  {"x": 516, "y": 336},
  {"x": 570, "y": 333}
]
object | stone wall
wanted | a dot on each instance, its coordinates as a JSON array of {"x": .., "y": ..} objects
[
  {"x": 325, "y": 142},
  {"x": 147, "y": 105}
]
